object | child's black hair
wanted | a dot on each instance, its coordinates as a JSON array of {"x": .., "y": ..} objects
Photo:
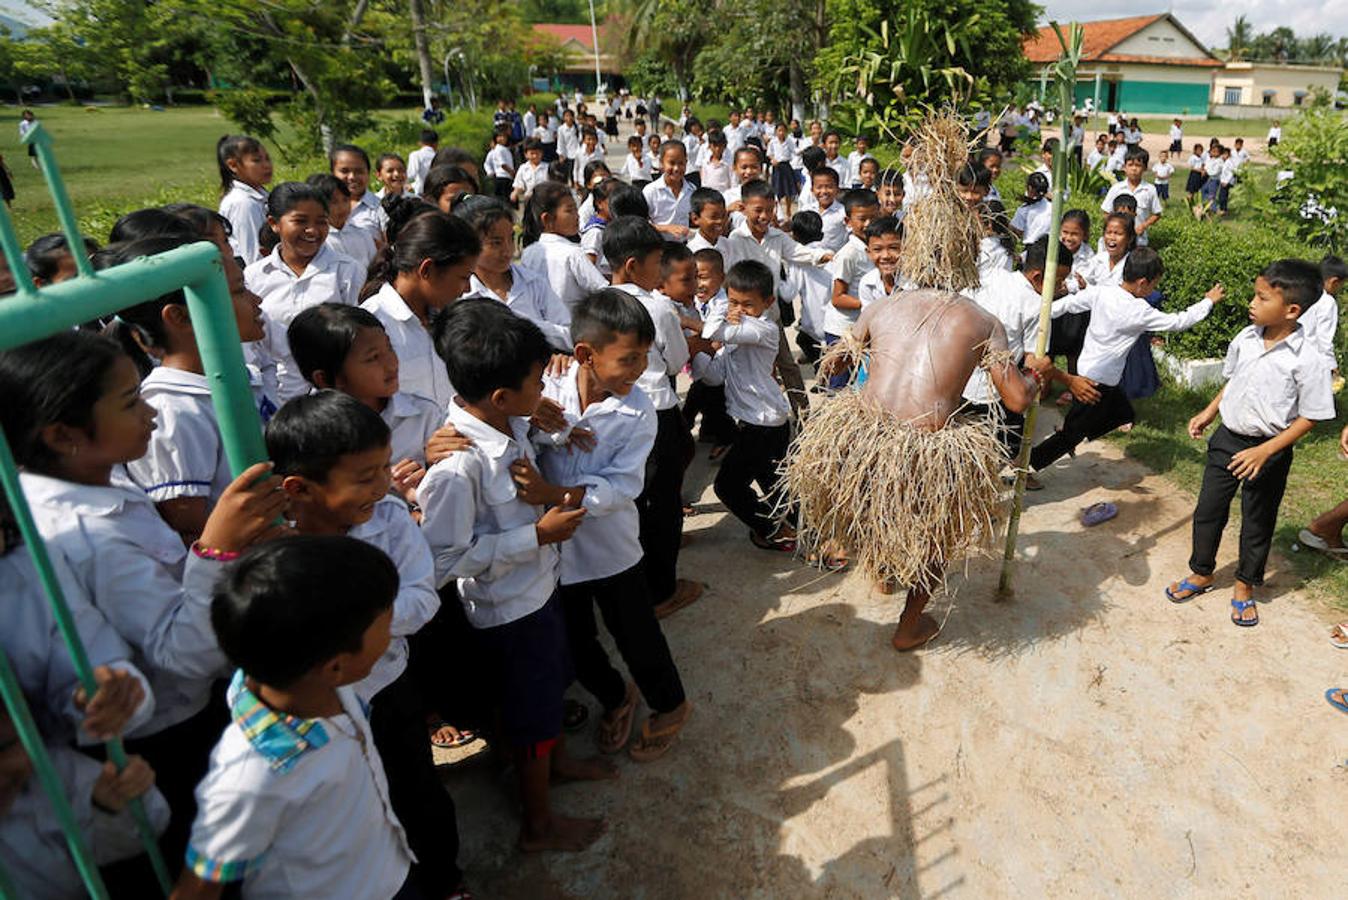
[
  {"x": 200, "y": 218},
  {"x": 627, "y": 200},
  {"x": 590, "y": 168},
  {"x": 560, "y": 171},
  {"x": 603, "y": 315},
  {"x": 289, "y": 194},
  {"x": 1125, "y": 203},
  {"x": 1333, "y": 267},
  {"x": 486, "y": 347},
  {"x": 807, "y": 227},
  {"x": 56, "y": 380},
  {"x": 438, "y": 178},
  {"x": 859, "y": 198},
  {"x": 1081, "y": 217},
  {"x": 973, "y": 175},
  {"x": 429, "y": 137},
  {"x": 830, "y": 133},
  {"x": 311, "y": 433},
  {"x": 716, "y": 138},
  {"x": 750, "y": 276},
  {"x": 755, "y": 151},
  {"x": 1036, "y": 256},
  {"x": 588, "y": 131},
  {"x": 712, "y": 257},
  {"x": 432, "y": 235},
  {"x": 327, "y": 185},
  {"x": 483, "y": 212},
  {"x": 1038, "y": 181},
  {"x": 401, "y": 209},
  {"x": 348, "y": 148},
  {"x": 233, "y": 146},
  {"x": 453, "y": 156},
  {"x": 545, "y": 199},
  {"x": 758, "y": 189},
  {"x": 1050, "y": 146},
  {"x": 43, "y": 256},
  {"x": 286, "y": 607},
  {"x": 321, "y": 337},
  {"x": 1298, "y": 281},
  {"x": 385, "y": 157},
  {"x": 667, "y": 146},
  {"x": 673, "y": 253},
  {"x": 813, "y": 158},
  {"x": 988, "y": 153},
  {"x": 1143, "y": 262},
  {"x": 634, "y": 140},
  {"x": 531, "y": 143},
  {"x": 147, "y": 317},
  {"x": 704, "y": 196},
  {"x": 148, "y": 223},
  {"x": 885, "y": 225},
  {"x": 868, "y": 160},
  {"x": 604, "y": 190},
  {"x": 1137, "y": 154},
  {"x": 689, "y": 123},
  {"x": 824, "y": 172},
  {"x": 891, "y": 178},
  {"x": 629, "y": 237}
]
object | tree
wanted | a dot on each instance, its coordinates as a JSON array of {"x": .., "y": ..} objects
[
  {"x": 763, "y": 53},
  {"x": 417, "y": 10},
  {"x": 56, "y": 53},
  {"x": 567, "y": 12},
  {"x": 675, "y": 31},
  {"x": 1238, "y": 39}
]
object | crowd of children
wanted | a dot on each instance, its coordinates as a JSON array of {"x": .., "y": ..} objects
[{"x": 473, "y": 445}]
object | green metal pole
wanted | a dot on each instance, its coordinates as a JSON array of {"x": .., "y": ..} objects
[
  {"x": 51, "y": 783},
  {"x": 37, "y": 137}
]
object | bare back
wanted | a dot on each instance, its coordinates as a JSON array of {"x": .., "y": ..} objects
[{"x": 923, "y": 346}]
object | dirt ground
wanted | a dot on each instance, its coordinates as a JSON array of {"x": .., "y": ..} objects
[{"x": 1087, "y": 738}]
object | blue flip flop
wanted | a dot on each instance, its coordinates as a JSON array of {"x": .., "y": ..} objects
[
  {"x": 1187, "y": 585},
  {"x": 1098, "y": 513},
  {"x": 1340, "y": 705},
  {"x": 1239, "y": 606}
]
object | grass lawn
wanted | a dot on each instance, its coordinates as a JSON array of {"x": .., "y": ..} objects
[{"x": 1213, "y": 127}]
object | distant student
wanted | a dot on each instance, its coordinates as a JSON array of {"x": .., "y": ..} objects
[
  {"x": 867, "y": 174},
  {"x": 391, "y": 171},
  {"x": 1197, "y": 174},
  {"x": 500, "y": 164},
  {"x": 568, "y": 137},
  {"x": 848, "y": 266},
  {"x": 1212, "y": 171},
  {"x": 1118, "y": 316},
  {"x": 715, "y": 171},
  {"x": 708, "y": 400},
  {"x": 352, "y": 164},
  {"x": 445, "y": 185},
  {"x": 590, "y": 151},
  {"x": 670, "y": 195},
  {"x": 1034, "y": 215},
  {"x": 890, "y": 193},
  {"x": 531, "y": 173},
  {"x": 824, "y": 187},
  {"x": 1176, "y": 136},
  {"x": 812, "y": 284},
  {"x": 1277, "y": 387},
  {"x": 637, "y": 166},
  {"x": 353, "y": 242},
  {"x": 498, "y": 544},
  {"x": 862, "y": 151},
  {"x": 785, "y": 182},
  {"x": 1274, "y": 134},
  {"x": 419, "y": 160},
  {"x": 1097, "y": 157},
  {"x": 1161, "y": 172},
  {"x": 551, "y": 222},
  {"x": 832, "y": 145},
  {"x": 1226, "y": 179},
  {"x": 1149, "y": 205},
  {"x": 245, "y": 170},
  {"x": 707, "y": 210}
]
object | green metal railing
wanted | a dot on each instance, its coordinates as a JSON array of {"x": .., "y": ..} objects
[{"x": 32, "y": 314}]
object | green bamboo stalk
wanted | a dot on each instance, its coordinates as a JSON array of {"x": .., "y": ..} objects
[
  {"x": 38, "y": 138},
  {"x": 1065, "y": 78}
]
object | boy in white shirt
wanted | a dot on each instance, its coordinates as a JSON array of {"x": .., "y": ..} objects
[
  {"x": 1118, "y": 316},
  {"x": 670, "y": 194},
  {"x": 848, "y": 266},
  {"x": 862, "y": 151},
  {"x": 590, "y": 151},
  {"x": 1274, "y": 134},
  {"x": 1148, "y": 202},
  {"x": 832, "y": 159},
  {"x": 708, "y": 400},
  {"x": 1161, "y": 172},
  {"x": 708, "y": 213},
  {"x": 1225, "y": 179},
  {"x": 419, "y": 160},
  {"x": 1277, "y": 387},
  {"x": 295, "y": 803},
  {"x": 500, "y": 165},
  {"x": 1099, "y": 154},
  {"x": 637, "y": 165},
  {"x": 531, "y": 172},
  {"x": 1321, "y": 320},
  {"x": 812, "y": 284},
  {"x": 497, "y": 541},
  {"x": 602, "y": 563},
  {"x": 824, "y": 188}
]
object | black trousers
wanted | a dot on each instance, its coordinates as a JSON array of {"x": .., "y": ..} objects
[
  {"x": 1012, "y": 431},
  {"x": 1259, "y": 500},
  {"x": 629, "y": 616},
  {"x": 398, "y": 723},
  {"x": 708, "y": 400},
  {"x": 1084, "y": 422},
  {"x": 445, "y": 645},
  {"x": 660, "y": 505},
  {"x": 753, "y": 459}
]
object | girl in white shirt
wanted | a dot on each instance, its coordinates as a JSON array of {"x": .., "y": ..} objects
[
  {"x": 715, "y": 170},
  {"x": 352, "y": 165},
  {"x": 551, "y": 224},
  {"x": 785, "y": 182},
  {"x": 245, "y": 170},
  {"x": 568, "y": 137},
  {"x": 637, "y": 165},
  {"x": 1196, "y": 174}
]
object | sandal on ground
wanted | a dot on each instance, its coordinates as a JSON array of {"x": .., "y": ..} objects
[
  {"x": 780, "y": 545},
  {"x": 574, "y": 715},
  {"x": 1194, "y": 590},
  {"x": 651, "y": 745},
  {"x": 1339, "y": 702},
  {"x": 465, "y": 737},
  {"x": 829, "y": 562},
  {"x": 1338, "y": 635},
  {"x": 1098, "y": 513},
  {"x": 1312, "y": 540},
  {"x": 1238, "y": 608},
  {"x": 613, "y": 735},
  {"x": 686, "y": 593}
]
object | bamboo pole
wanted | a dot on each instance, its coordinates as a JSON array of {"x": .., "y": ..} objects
[{"x": 1065, "y": 78}]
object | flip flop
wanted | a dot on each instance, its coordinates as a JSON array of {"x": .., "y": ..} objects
[
  {"x": 1185, "y": 584},
  {"x": 1338, "y": 635},
  {"x": 465, "y": 738},
  {"x": 612, "y": 738},
  {"x": 651, "y": 745},
  {"x": 1238, "y": 607},
  {"x": 1098, "y": 513},
  {"x": 574, "y": 715},
  {"x": 777, "y": 545},
  {"x": 1312, "y": 540},
  {"x": 1338, "y": 704}
]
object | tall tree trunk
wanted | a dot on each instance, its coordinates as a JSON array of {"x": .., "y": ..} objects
[
  {"x": 418, "y": 12},
  {"x": 797, "y": 91},
  {"x": 70, "y": 90}
]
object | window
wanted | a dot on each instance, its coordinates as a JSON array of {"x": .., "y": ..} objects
[
  {"x": 1269, "y": 95},
  {"x": 1231, "y": 96},
  {"x": 1298, "y": 96}
]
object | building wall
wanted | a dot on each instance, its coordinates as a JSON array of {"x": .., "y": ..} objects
[
  {"x": 1148, "y": 89},
  {"x": 1252, "y": 80},
  {"x": 1160, "y": 38}
]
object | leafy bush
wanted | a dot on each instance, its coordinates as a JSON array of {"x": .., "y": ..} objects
[
  {"x": 1197, "y": 255},
  {"x": 248, "y": 108},
  {"x": 1313, "y": 203}
]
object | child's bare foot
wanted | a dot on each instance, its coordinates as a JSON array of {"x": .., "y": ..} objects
[
  {"x": 570, "y": 768},
  {"x": 686, "y": 592},
  {"x": 911, "y": 635},
  {"x": 888, "y": 587},
  {"x": 562, "y": 833}
]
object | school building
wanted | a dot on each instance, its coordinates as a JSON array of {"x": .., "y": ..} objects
[
  {"x": 577, "y": 41},
  {"x": 1258, "y": 90}
]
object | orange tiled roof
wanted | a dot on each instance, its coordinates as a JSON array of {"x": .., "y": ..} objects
[
  {"x": 563, "y": 33},
  {"x": 1099, "y": 37}
]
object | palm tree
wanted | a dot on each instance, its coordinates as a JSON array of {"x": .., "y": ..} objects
[
  {"x": 1238, "y": 39},
  {"x": 1319, "y": 48}
]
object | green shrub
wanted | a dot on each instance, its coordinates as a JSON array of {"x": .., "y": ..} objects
[{"x": 1197, "y": 255}]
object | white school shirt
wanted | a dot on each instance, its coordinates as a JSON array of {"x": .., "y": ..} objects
[
  {"x": 783, "y": 151},
  {"x": 1162, "y": 172},
  {"x": 814, "y": 286},
  {"x": 1274, "y": 133},
  {"x": 637, "y": 169},
  {"x": 33, "y": 845},
  {"x": 499, "y": 162},
  {"x": 1094, "y": 158},
  {"x": 716, "y": 174},
  {"x": 1195, "y": 161},
  {"x": 1014, "y": 302},
  {"x": 529, "y": 176},
  {"x": 1266, "y": 389},
  {"x": 776, "y": 248},
  {"x": 368, "y": 215},
  {"x": 356, "y": 243},
  {"x": 1176, "y": 133},
  {"x": 298, "y": 807},
  {"x": 592, "y": 242},
  {"x": 1320, "y": 321},
  {"x": 530, "y": 122},
  {"x": 1148, "y": 203},
  {"x": 667, "y": 207},
  {"x": 583, "y": 159},
  {"x": 854, "y": 163},
  {"x": 992, "y": 256},
  {"x": 481, "y": 533},
  {"x": 135, "y": 570},
  {"x": 418, "y": 164},
  {"x": 835, "y": 225},
  {"x": 1098, "y": 270},
  {"x": 186, "y": 457},
  {"x": 531, "y": 297},
  {"x": 1229, "y": 169},
  {"x": 1118, "y": 319},
  {"x": 568, "y": 141},
  {"x": 744, "y": 365},
  {"x": 396, "y": 533},
  {"x": 805, "y": 199},
  {"x": 668, "y": 353},
  {"x": 421, "y": 371},
  {"x": 915, "y": 187},
  {"x": 411, "y": 422},
  {"x": 848, "y": 265},
  {"x": 246, "y": 209},
  {"x": 1033, "y": 220},
  {"x": 693, "y": 147},
  {"x": 1241, "y": 156},
  {"x": 564, "y": 264},
  {"x": 840, "y": 165},
  {"x": 1212, "y": 165},
  {"x": 722, "y": 245},
  {"x": 330, "y": 277},
  {"x": 613, "y": 473},
  {"x": 733, "y": 140},
  {"x": 1115, "y": 161}
]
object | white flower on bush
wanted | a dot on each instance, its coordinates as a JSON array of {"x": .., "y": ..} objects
[{"x": 1311, "y": 209}]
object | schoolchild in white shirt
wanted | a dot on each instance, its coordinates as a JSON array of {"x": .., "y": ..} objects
[
  {"x": 1161, "y": 172},
  {"x": 1097, "y": 156},
  {"x": 568, "y": 137},
  {"x": 1197, "y": 173},
  {"x": 1149, "y": 205},
  {"x": 1274, "y": 134},
  {"x": 602, "y": 563},
  {"x": 1321, "y": 320},
  {"x": 706, "y": 400},
  {"x": 546, "y": 132},
  {"x": 497, "y": 542},
  {"x": 669, "y": 195},
  {"x": 495, "y": 276},
  {"x": 344, "y": 237},
  {"x": 419, "y": 160},
  {"x": 824, "y": 188},
  {"x": 832, "y": 159},
  {"x": 352, "y": 165},
  {"x": 862, "y": 151},
  {"x": 707, "y": 209},
  {"x": 785, "y": 182},
  {"x": 715, "y": 172},
  {"x": 499, "y": 164},
  {"x": 302, "y": 271},
  {"x": 531, "y": 173},
  {"x": 551, "y": 222},
  {"x": 590, "y": 151},
  {"x": 849, "y": 264},
  {"x": 429, "y": 263},
  {"x": 637, "y": 166},
  {"x": 392, "y": 174},
  {"x": 1225, "y": 179},
  {"x": 593, "y": 225},
  {"x": 1213, "y": 165},
  {"x": 1176, "y": 136},
  {"x": 245, "y": 171},
  {"x": 695, "y": 143},
  {"x": 1119, "y": 315},
  {"x": 296, "y": 802},
  {"x": 122, "y": 556},
  {"x": 1277, "y": 387},
  {"x": 748, "y": 166},
  {"x": 1033, "y": 217},
  {"x": 811, "y": 284}
]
